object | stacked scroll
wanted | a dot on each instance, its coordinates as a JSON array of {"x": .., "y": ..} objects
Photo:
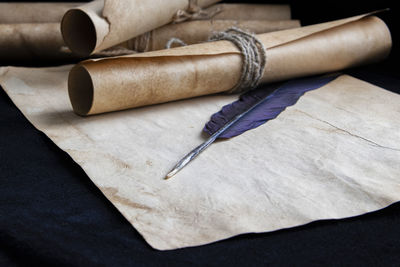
[
  {"x": 130, "y": 31},
  {"x": 31, "y": 31}
]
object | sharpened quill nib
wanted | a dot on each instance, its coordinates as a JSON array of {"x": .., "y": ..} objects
[
  {"x": 179, "y": 166},
  {"x": 170, "y": 174},
  {"x": 191, "y": 156}
]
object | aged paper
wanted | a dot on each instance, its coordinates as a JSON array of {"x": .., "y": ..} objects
[
  {"x": 334, "y": 154},
  {"x": 103, "y": 85}
]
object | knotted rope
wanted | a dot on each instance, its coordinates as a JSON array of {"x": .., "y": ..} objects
[
  {"x": 254, "y": 57},
  {"x": 252, "y": 50},
  {"x": 194, "y": 12}
]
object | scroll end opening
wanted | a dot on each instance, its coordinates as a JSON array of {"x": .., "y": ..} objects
[
  {"x": 79, "y": 32},
  {"x": 80, "y": 90}
]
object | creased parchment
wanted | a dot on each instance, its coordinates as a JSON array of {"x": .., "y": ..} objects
[
  {"x": 198, "y": 31},
  {"x": 250, "y": 11},
  {"x": 334, "y": 154},
  {"x": 97, "y": 86},
  {"x": 102, "y": 24},
  {"x": 34, "y": 12}
]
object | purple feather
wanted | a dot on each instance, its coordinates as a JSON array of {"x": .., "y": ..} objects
[{"x": 263, "y": 105}]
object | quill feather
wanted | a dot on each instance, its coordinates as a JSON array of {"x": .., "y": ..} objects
[
  {"x": 252, "y": 110},
  {"x": 261, "y": 105}
]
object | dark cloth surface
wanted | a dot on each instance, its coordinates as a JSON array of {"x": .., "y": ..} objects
[{"x": 52, "y": 214}]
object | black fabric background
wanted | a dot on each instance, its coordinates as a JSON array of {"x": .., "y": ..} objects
[{"x": 52, "y": 214}]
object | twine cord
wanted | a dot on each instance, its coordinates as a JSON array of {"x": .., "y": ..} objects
[
  {"x": 173, "y": 41},
  {"x": 254, "y": 57},
  {"x": 141, "y": 43}
]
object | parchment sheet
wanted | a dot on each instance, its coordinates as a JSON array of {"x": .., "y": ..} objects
[{"x": 334, "y": 154}]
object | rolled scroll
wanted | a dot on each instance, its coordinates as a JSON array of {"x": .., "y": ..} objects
[
  {"x": 97, "y": 86},
  {"x": 42, "y": 41},
  {"x": 198, "y": 31},
  {"x": 250, "y": 12},
  {"x": 101, "y": 24},
  {"x": 31, "y": 31},
  {"x": 25, "y": 41},
  {"x": 33, "y": 12}
]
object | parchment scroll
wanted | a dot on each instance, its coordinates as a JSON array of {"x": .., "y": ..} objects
[
  {"x": 32, "y": 41},
  {"x": 102, "y": 24},
  {"x": 34, "y": 12},
  {"x": 31, "y": 31}
]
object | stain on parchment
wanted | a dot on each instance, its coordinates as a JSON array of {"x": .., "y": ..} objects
[
  {"x": 112, "y": 194},
  {"x": 120, "y": 163}
]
